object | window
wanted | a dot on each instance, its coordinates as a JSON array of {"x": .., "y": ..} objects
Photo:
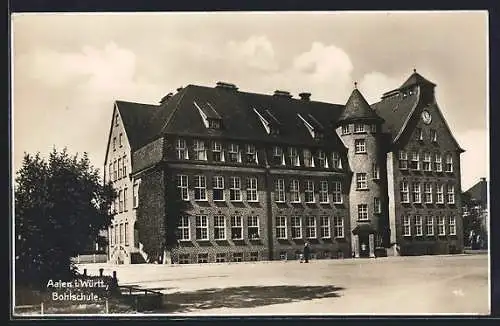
[
  {"x": 452, "y": 225},
  {"x": 279, "y": 191},
  {"x": 337, "y": 192},
  {"x": 449, "y": 163},
  {"x": 184, "y": 259},
  {"x": 235, "y": 189},
  {"x": 214, "y": 124},
  {"x": 217, "y": 153},
  {"x": 120, "y": 196},
  {"x": 375, "y": 172},
  {"x": 119, "y": 168},
  {"x": 234, "y": 153},
  {"x": 362, "y": 212},
  {"x": 439, "y": 194},
  {"x": 254, "y": 256},
  {"x": 345, "y": 129},
  {"x": 253, "y": 227},
  {"x": 125, "y": 199},
  {"x": 322, "y": 162},
  {"x": 361, "y": 181},
  {"x": 252, "y": 189},
  {"x": 419, "y": 135},
  {"x": 359, "y": 145},
  {"x": 114, "y": 171},
  {"x": 124, "y": 162},
  {"x": 359, "y": 127},
  {"x": 438, "y": 165},
  {"x": 294, "y": 191},
  {"x": 237, "y": 257},
  {"x": 184, "y": 227},
  {"x": 416, "y": 193},
  {"x": 110, "y": 175},
  {"x": 220, "y": 257},
  {"x": 403, "y": 160},
  {"x": 418, "y": 225},
  {"x": 430, "y": 225},
  {"x": 293, "y": 156},
  {"x": 218, "y": 188},
  {"x": 433, "y": 135},
  {"x": 200, "y": 188},
  {"x": 120, "y": 140},
  {"x": 376, "y": 205},
  {"x": 114, "y": 143},
  {"x": 451, "y": 194},
  {"x": 405, "y": 197},
  {"x": 308, "y": 160},
  {"x": 182, "y": 184},
  {"x": 116, "y": 233},
  {"x": 236, "y": 228},
  {"x": 278, "y": 156},
  {"x": 219, "y": 227},
  {"x": 323, "y": 192},
  {"x": 126, "y": 233},
  {"x": 202, "y": 258},
  {"x": 311, "y": 227},
  {"x": 201, "y": 227},
  {"x": 406, "y": 226},
  {"x": 324, "y": 227},
  {"x": 373, "y": 128},
  {"x": 336, "y": 161},
  {"x": 181, "y": 150},
  {"x": 251, "y": 154},
  {"x": 281, "y": 227},
  {"x": 135, "y": 197},
  {"x": 441, "y": 227},
  {"x": 427, "y": 162},
  {"x": 415, "y": 161},
  {"x": 309, "y": 191},
  {"x": 338, "y": 227},
  {"x": 427, "y": 193},
  {"x": 121, "y": 233},
  {"x": 296, "y": 227},
  {"x": 200, "y": 153}
]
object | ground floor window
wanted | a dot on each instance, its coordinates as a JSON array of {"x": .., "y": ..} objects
[
  {"x": 220, "y": 258},
  {"x": 202, "y": 258},
  {"x": 237, "y": 256},
  {"x": 184, "y": 259},
  {"x": 254, "y": 256}
]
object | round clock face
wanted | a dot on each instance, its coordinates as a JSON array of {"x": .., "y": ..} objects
[{"x": 426, "y": 117}]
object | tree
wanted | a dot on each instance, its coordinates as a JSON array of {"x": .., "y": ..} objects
[{"x": 61, "y": 205}]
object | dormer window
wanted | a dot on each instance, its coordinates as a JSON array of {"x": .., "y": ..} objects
[
  {"x": 211, "y": 118},
  {"x": 181, "y": 149},
  {"x": 251, "y": 154},
  {"x": 293, "y": 156},
  {"x": 308, "y": 159},
  {"x": 278, "y": 156},
  {"x": 336, "y": 161},
  {"x": 313, "y": 126},
  {"x": 269, "y": 121},
  {"x": 321, "y": 157},
  {"x": 217, "y": 153},
  {"x": 359, "y": 127}
]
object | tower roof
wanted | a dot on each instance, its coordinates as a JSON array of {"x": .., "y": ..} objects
[
  {"x": 416, "y": 79},
  {"x": 357, "y": 108}
]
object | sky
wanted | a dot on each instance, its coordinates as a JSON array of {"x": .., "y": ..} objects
[{"x": 68, "y": 69}]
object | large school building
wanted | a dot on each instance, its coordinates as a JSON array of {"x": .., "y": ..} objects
[{"x": 260, "y": 174}]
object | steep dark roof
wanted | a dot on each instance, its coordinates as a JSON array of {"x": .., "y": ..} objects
[
  {"x": 416, "y": 79},
  {"x": 136, "y": 118},
  {"x": 479, "y": 192},
  {"x": 357, "y": 108},
  {"x": 395, "y": 110}
]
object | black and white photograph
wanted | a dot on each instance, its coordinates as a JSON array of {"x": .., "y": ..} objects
[{"x": 316, "y": 163}]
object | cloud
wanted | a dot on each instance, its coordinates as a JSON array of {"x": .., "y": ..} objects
[
  {"x": 256, "y": 52},
  {"x": 375, "y": 83}
]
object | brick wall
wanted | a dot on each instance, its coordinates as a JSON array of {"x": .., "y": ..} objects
[{"x": 148, "y": 155}]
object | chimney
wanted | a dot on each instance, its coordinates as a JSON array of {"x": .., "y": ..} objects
[
  {"x": 226, "y": 86},
  {"x": 305, "y": 96},
  {"x": 166, "y": 98},
  {"x": 282, "y": 94}
]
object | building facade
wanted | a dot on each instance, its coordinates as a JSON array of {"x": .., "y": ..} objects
[
  {"x": 475, "y": 215},
  {"x": 259, "y": 175}
]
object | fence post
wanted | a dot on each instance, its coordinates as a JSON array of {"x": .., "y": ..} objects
[
  {"x": 101, "y": 271},
  {"x": 78, "y": 258},
  {"x": 107, "y": 306},
  {"x": 84, "y": 272},
  {"x": 94, "y": 258},
  {"x": 41, "y": 308}
]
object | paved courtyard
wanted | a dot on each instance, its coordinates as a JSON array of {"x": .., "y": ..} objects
[{"x": 393, "y": 285}]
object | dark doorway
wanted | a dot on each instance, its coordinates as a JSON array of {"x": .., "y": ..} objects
[{"x": 364, "y": 246}]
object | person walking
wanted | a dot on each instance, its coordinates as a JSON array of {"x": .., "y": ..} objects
[{"x": 307, "y": 252}]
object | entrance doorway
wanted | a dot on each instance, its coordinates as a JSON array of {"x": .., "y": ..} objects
[{"x": 364, "y": 246}]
